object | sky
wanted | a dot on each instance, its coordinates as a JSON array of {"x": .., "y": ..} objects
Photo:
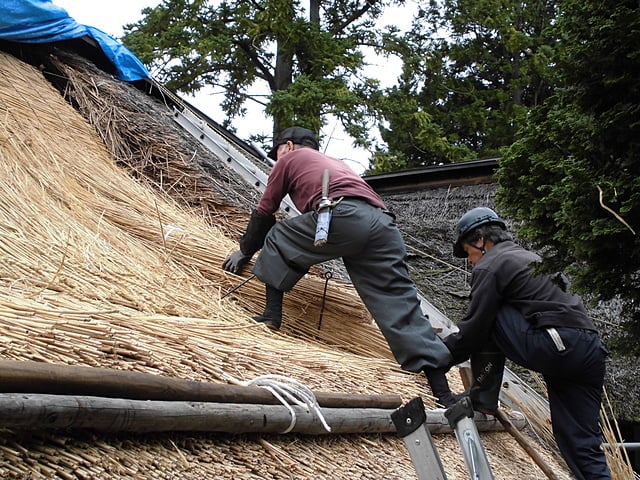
[{"x": 110, "y": 16}]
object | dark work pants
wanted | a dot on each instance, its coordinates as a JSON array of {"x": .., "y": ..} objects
[
  {"x": 374, "y": 255},
  {"x": 574, "y": 379}
]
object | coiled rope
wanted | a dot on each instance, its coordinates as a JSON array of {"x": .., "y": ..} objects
[{"x": 289, "y": 391}]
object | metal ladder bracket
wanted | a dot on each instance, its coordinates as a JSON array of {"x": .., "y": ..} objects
[
  {"x": 410, "y": 422},
  {"x": 460, "y": 417}
]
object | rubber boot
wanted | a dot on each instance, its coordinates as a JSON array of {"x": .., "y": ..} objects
[
  {"x": 487, "y": 368},
  {"x": 440, "y": 387},
  {"x": 272, "y": 316}
]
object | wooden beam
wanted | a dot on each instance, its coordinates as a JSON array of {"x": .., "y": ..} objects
[
  {"x": 42, "y": 411},
  {"x": 37, "y": 377}
]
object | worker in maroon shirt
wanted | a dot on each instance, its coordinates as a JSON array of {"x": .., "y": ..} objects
[{"x": 362, "y": 232}]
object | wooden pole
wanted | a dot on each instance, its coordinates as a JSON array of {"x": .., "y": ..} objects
[
  {"x": 526, "y": 446},
  {"x": 438, "y": 423},
  {"x": 37, "y": 377},
  {"x": 42, "y": 411}
]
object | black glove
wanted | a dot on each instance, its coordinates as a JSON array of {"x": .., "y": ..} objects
[
  {"x": 236, "y": 261},
  {"x": 257, "y": 229}
]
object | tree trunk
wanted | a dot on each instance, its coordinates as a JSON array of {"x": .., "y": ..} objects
[
  {"x": 36, "y": 377},
  {"x": 38, "y": 412},
  {"x": 314, "y": 11},
  {"x": 283, "y": 78}
]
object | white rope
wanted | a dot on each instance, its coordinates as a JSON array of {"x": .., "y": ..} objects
[
  {"x": 170, "y": 230},
  {"x": 287, "y": 391}
]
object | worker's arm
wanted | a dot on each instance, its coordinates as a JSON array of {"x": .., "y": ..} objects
[
  {"x": 251, "y": 241},
  {"x": 475, "y": 327},
  {"x": 261, "y": 220}
]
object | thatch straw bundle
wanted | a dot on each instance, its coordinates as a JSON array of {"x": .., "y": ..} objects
[
  {"x": 97, "y": 269},
  {"x": 617, "y": 458},
  {"x": 136, "y": 132}
]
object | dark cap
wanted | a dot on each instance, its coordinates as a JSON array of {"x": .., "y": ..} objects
[{"x": 298, "y": 135}]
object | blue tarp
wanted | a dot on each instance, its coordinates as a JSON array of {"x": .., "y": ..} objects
[{"x": 40, "y": 21}]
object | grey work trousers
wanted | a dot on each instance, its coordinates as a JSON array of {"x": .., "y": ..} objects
[{"x": 374, "y": 254}]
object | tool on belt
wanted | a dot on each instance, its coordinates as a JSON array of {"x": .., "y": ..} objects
[{"x": 324, "y": 212}]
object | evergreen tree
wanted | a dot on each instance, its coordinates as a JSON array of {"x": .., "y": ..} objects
[
  {"x": 574, "y": 175},
  {"x": 310, "y": 59},
  {"x": 472, "y": 71}
]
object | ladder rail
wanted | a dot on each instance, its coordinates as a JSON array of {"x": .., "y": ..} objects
[
  {"x": 230, "y": 156},
  {"x": 410, "y": 421},
  {"x": 461, "y": 418}
]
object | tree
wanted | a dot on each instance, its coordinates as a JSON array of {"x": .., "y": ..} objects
[
  {"x": 311, "y": 64},
  {"x": 473, "y": 69},
  {"x": 573, "y": 176}
]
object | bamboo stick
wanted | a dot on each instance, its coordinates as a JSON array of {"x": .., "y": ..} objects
[{"x": 524, "y": 443}]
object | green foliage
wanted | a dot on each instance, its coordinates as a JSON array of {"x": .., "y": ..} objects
[
  {"x": 309, "y": 69},
  {"x": 415, "y": 137},
  {"x": 473, "y": 69},
  {"x": 386, "y": 162},
  {"x": 573, "y": 175}
]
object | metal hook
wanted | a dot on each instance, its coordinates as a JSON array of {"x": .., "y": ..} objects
[{"x": 327, "y": 276}]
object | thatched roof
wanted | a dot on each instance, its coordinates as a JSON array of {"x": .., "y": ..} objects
[{"x": 120, "y": 268}]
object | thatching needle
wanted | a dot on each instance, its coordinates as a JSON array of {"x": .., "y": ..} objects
[
  {"x": 238, "y": 286},
  {"x": 327, "y": 276}
]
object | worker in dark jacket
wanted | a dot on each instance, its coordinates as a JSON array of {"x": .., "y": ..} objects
[
  {"x": 362, "y": 232},
  {"x": 534, "y": 321}
]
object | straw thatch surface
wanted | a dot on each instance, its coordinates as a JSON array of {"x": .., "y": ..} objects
[{"x": 98, "y": 269}]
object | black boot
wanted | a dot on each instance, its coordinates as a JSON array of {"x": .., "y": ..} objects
[
  {"x": 440, "y": 387},
  {"x": 487, "y": 368},
  {"x": 272, "y": 316}
]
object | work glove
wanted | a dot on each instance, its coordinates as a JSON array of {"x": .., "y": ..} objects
[
  {"x": 257, "y": 229},
  {"x": 234, "y": 262}
]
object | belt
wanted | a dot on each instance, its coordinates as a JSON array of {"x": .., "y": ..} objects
[
  {"x": 557, "y": 339},
  {"x": 362, "y": 200}
]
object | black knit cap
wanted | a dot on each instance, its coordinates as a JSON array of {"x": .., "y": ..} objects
[{"x": 298, "y": 135}]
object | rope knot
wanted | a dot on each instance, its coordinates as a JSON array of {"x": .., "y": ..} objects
[{"x": 289, "y": 391}]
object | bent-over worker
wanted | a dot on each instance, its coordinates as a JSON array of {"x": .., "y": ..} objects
[
  {"x": 362, "y": 232},
  {"x": 534, "y": 321}
]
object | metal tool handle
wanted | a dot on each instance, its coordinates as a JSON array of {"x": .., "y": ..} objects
[
  {"x": 324, "y": 213},
  {"x": 325, "y": 183}
]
